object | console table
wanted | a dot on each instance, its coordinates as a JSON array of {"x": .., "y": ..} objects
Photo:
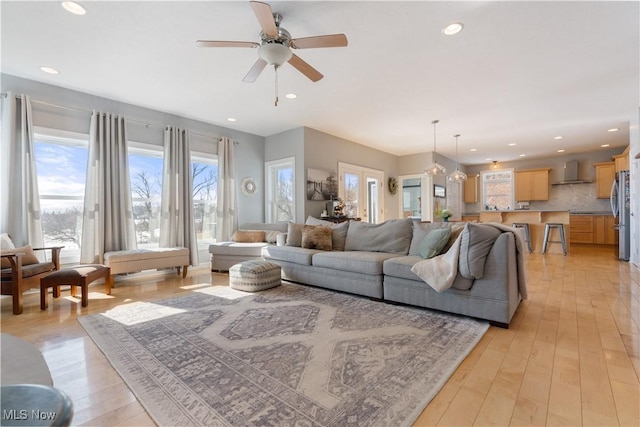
[{"x": 338, "y": 219}]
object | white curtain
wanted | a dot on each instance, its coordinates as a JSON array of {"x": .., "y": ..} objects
[
  {"x": 20, "y": 199},
  {"x": 177, "y": 226},
  {"x": 107, "y": 223},
  {"x": 226, "y": 210}
]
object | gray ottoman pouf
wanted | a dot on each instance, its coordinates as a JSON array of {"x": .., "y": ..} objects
[{"x": 253, "y": 276}]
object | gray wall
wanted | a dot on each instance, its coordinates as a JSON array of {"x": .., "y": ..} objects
[
  {"x": 290, "y": 144},
  {"x": 323, "y": 151},
  {"x": 580, "y": 197},
  {"x": 249, "y": 150}
]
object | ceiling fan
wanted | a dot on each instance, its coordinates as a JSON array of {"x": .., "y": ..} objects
[{"x": 275, "y": 45}]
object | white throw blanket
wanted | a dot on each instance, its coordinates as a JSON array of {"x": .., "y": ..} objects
[{"x": 440, "y": 272}]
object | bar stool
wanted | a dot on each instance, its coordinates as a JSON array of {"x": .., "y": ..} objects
[
  {"x": 547, "y": 231},
  {"x": 527, "y": 233}
]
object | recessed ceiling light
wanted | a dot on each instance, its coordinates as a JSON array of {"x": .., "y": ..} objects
[
  {"x": 558, "y": 137},
  {"x": 523, "y": 155},
  {"x": 73, "y": 7},
  {"x": 473, "y": 149},
  {"x": 561, "y": 150},
  {"x": 291, "y": 95},
  {"x": 49, "y": 70},
  {"x": 488, "y": 160},
  {"x": 231, "y": 119},
  {"x": 452, "y": 29},
  {"x": 613, "y": 130},
  {"x": 511, "y": 144},
  {"x": 604, "y": 145}
]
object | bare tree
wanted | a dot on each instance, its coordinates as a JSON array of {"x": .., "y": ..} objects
[{"x": 61, "y": 226}]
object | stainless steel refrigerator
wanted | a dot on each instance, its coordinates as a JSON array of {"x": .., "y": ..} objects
[{"x": 621, "y": 208}]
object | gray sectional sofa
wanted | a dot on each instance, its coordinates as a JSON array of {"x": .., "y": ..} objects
[{"x": 376, "y": 260}]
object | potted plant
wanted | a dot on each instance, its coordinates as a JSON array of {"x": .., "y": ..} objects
[{"x": 444, "y": 213}]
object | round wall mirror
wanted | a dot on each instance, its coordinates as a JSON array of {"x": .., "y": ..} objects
[{"x": 248, "y": 186}]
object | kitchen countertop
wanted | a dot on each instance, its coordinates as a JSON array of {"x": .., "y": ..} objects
[{"x": 590, "y": 213}]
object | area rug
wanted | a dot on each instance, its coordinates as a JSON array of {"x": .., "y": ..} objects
[{"x": 289, "y": 356}]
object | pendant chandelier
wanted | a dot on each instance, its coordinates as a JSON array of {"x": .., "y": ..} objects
[
  {"x": 457, "y": 175},
  {"x": 435, "y": 168}
]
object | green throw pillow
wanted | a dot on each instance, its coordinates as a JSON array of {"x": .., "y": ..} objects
[{"x": 433, "y": 242}]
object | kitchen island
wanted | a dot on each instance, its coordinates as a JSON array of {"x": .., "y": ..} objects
[{"x": 536, "y": 220}]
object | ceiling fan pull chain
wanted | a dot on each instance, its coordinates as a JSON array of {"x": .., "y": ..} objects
[{"x": 276, "y": 69}]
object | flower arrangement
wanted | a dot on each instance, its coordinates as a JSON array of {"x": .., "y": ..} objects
[{"x": 444, "y": 213}]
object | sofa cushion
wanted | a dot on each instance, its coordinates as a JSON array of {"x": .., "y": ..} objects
[
  {"x": 248, "y": 236},
  {"x": 433, "y": 242},
  {"x": 338, "y": 231},
  {"x": 355, "y": 261},
  {"x": 294, "y": 234},
  {"x": 477, "y": 241},
  {"x": 289, "y": 253},
  {"x": 401, "y": 267},
  {"x": 392, "y": 236},
  {"x": 236, "y": 248},
  {"x": 316, "y": 237}
]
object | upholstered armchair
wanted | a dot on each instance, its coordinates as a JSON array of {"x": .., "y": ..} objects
[{"x": 22, "y": 270}]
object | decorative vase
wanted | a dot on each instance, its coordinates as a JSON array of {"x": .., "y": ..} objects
[{"x": 445, "y": 219}]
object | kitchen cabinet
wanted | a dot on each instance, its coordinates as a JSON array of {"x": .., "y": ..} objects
[
  {"x": 532, "y": 185},
  {"x": 581, "y": 228},
  {"x": 603, "y": 231},
  {"x": 593, "y": 229},
  {"x": 622, "y": 160},
  {"x": 471, "y": 189},
  {"x": 605, "y": 175}
]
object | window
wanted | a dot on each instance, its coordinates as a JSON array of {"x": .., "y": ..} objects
[
  {"x": 61, "y": 163},
  {"x": 204, "y": 170},
  {"x": 361, "y": 191},
  {"x": 497, "y": 190},
  {"x": 145, "y": 172},
  {"x": 280, "y": 191}
]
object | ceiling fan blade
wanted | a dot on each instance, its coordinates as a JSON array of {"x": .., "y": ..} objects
[
  {"x": 217, "y": 43},
  {"x": 265, "y": 18},
  {"x": 331, "y": 40},
  {"x": 306, "y": 69},
  {"x": 255, "y": 71}
]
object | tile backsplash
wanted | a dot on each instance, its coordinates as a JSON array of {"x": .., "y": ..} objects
[{"x": 573, "y": 197}]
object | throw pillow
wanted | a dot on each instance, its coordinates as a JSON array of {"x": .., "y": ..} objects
[
  {"x": 456, "y": 228},
  {"x": 475, "y": 245},
  {"x": 270, "y": 236},
  {"x": 5, "y": 242},
  {"x": 338, "y": 231},
  {"x": 316, "y": 237},
  {"x": 28, "y": 258},
  {"x": 434, "y": 242},
  {"x": 248, "y": 236},
  {"x": 294, "y": 234}
]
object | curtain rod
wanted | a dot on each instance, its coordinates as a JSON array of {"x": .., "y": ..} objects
[{"x": 136, "y": 122}]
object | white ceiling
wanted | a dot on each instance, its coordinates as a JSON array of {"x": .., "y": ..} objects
[{"x": 519, "y": 72}]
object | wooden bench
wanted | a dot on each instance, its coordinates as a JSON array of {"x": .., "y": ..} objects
[{"x": 137, "y": 260}]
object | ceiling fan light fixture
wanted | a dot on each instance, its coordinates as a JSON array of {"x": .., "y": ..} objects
[{"x": 274, "y": 53}]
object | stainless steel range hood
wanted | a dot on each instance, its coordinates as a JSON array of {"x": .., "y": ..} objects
[{"x": 571, "y": 174}]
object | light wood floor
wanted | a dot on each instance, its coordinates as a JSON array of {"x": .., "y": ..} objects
[{"x": 570, "y": 357}]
